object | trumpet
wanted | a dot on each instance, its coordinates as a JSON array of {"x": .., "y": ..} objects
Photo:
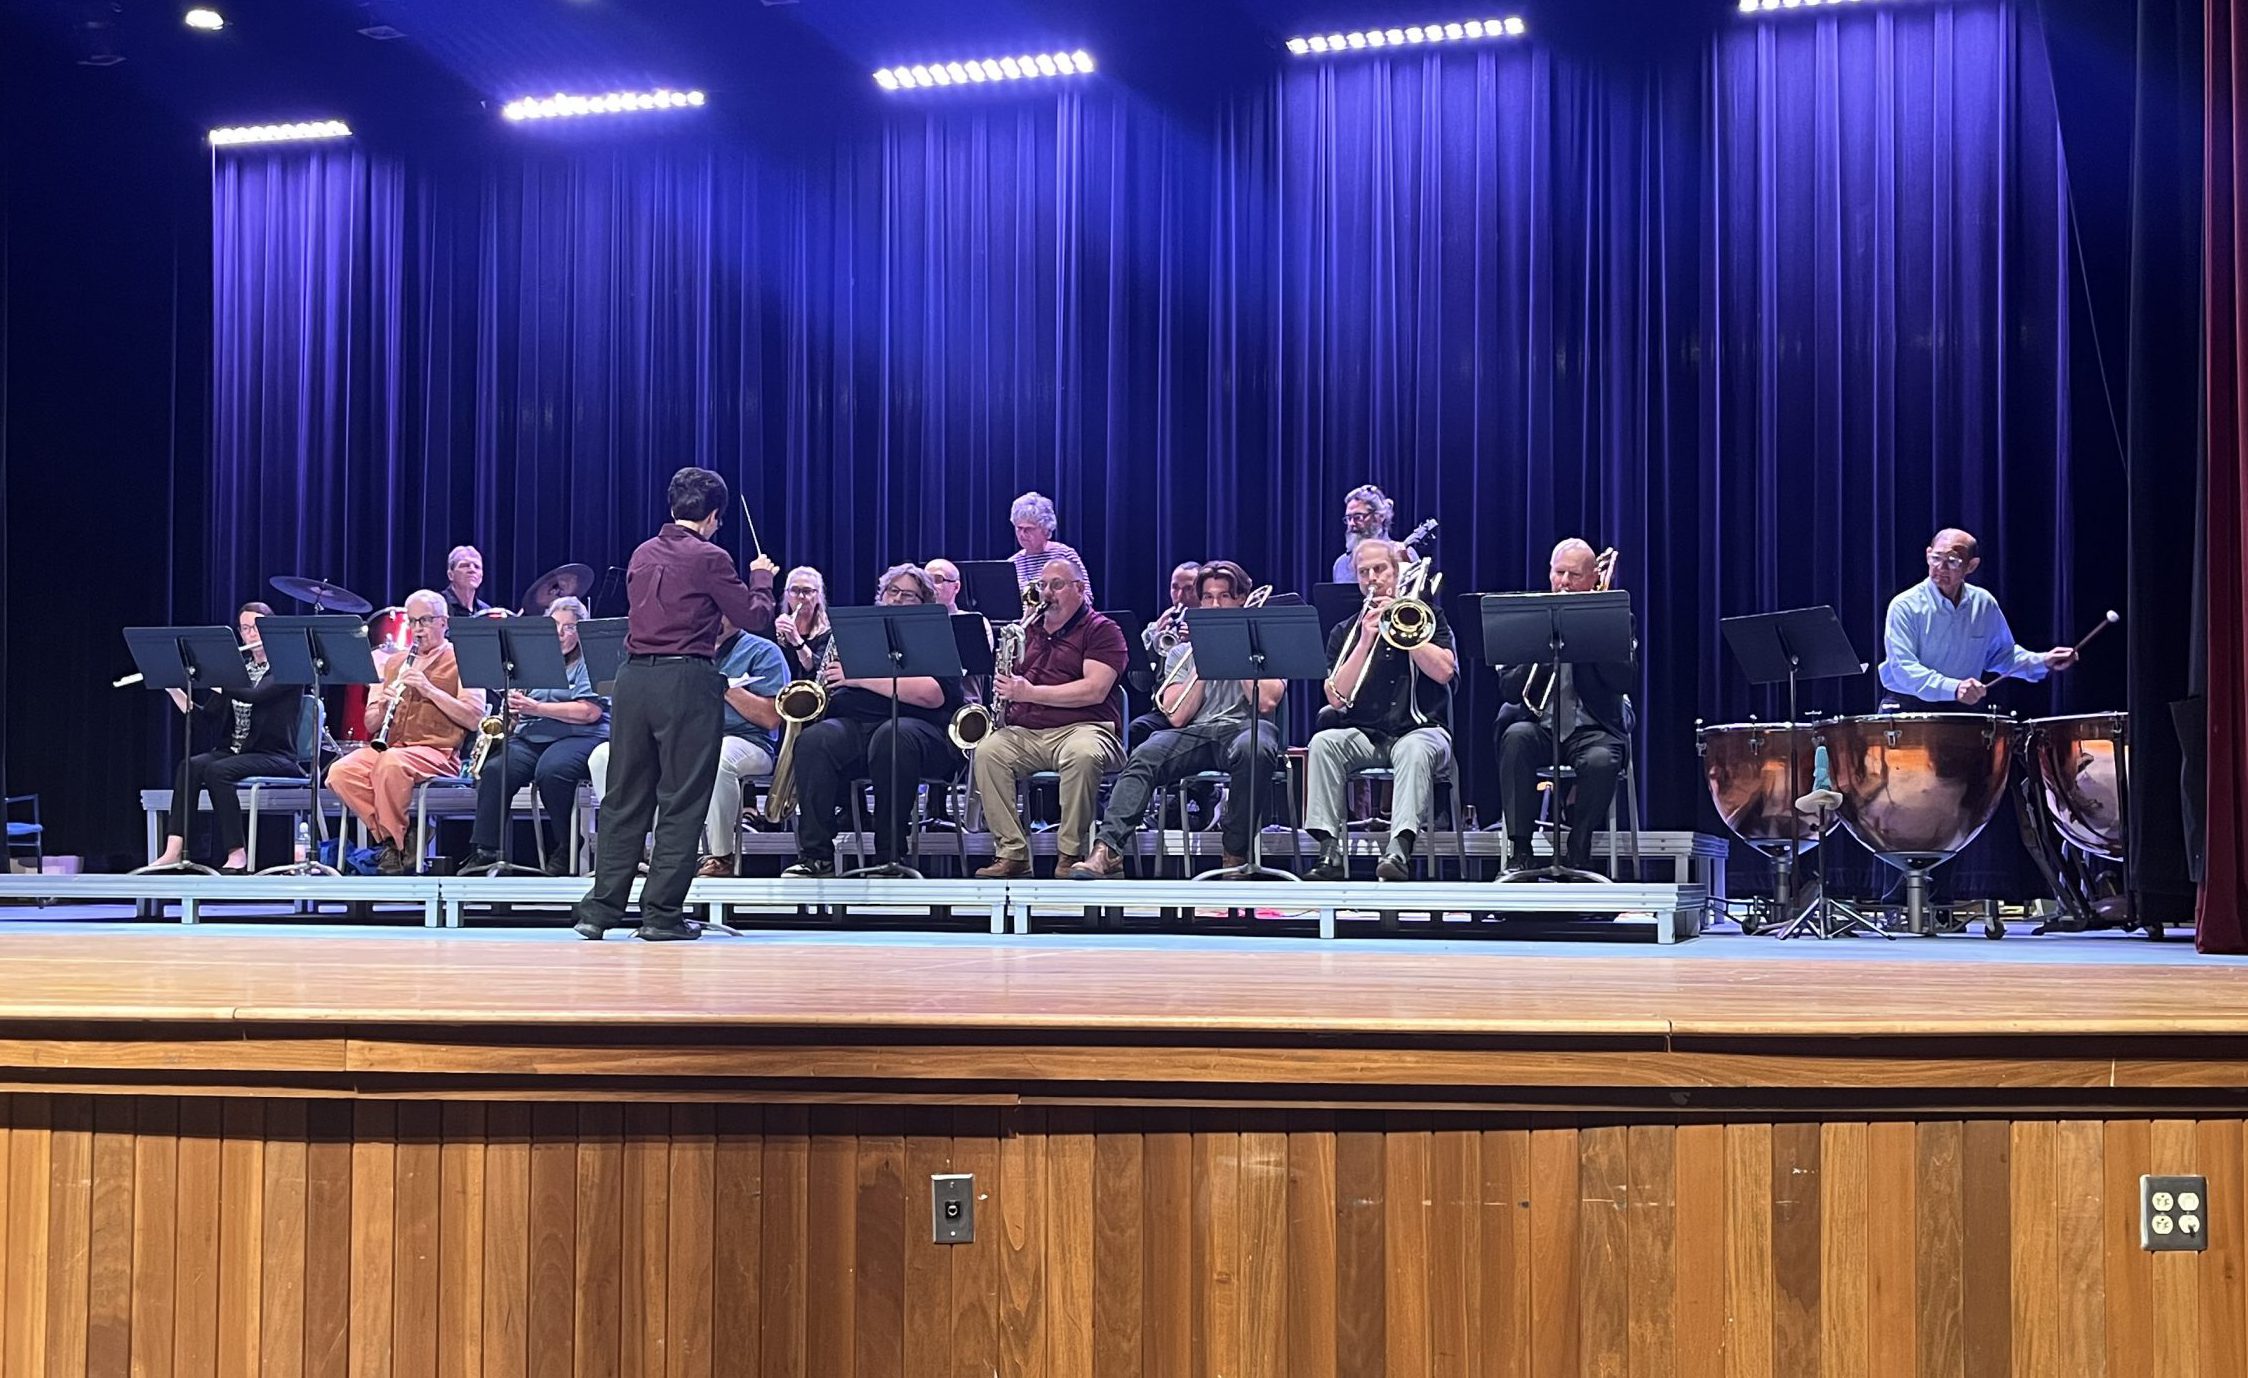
[
  {"x": 136, "y": 677},
  {"x": 1183, "y": 675},
  {"x": 1168, "y": 630},
  {"x": 489, "y": 733}
]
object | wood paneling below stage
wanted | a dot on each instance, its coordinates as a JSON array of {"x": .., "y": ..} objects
[{"x": 195, "y": 1235}]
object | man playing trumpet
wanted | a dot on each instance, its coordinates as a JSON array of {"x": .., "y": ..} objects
[
  {"x": 1588, "y": 707},
  {"x": 1385, "y": 707},
  {"x": 1207, "y": 727}
]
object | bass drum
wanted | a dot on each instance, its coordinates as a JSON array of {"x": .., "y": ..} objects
[
  {"x": 1748, "y": 767},
  {"x": 1918, "y": 787},
  {"x": 2079, "y": 764},
  {"x": 386, "y": 632}
]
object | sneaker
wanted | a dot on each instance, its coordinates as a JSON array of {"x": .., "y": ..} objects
[{"x": 810, "y": 868}]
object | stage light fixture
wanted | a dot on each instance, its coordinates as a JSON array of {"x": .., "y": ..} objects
[
  {"x": 1414, "y": 35},
  {"x": 977, "y": 71},
  {"x": 563, "y": 105},
  {"x": 1763, "y": 7},
  {"x": 302, "y": 131},
  {"x": 206, "y": 20}
]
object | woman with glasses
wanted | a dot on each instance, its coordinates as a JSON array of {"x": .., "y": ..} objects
[
  {"x": 1946, "y": 639},
  {"x": 854, "y": 739}
]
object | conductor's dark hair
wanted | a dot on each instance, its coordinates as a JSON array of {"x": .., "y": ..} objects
[{"x": 696, "y": 493}]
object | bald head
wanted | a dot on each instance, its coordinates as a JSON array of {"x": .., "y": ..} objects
[
  {"x": 1952, "y": 556},
  {"x": 1572, "y": 568}
]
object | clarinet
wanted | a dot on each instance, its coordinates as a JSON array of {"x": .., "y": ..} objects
[{"x": 381, "y": 740}]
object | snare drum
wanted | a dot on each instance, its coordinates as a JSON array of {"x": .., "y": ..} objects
[
  {"x": 2079, "y": 764},
  {"x": 1917, "y": 787},
  {"x": 1753, "y": 771}
]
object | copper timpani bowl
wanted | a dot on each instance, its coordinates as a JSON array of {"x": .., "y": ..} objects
[
  {"x": 1917, "y": 787},
  {"x": 2079, "y": 764},
  {"x": 1748, "y": 767}
]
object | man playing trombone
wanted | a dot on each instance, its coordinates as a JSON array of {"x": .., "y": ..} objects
[
  {"x": 1393, "y": 667},
  {"x": 1587, "y": 706},
  {"x": 1207, "y": 727}
]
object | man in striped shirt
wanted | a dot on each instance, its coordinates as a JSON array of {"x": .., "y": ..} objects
[{"x": 1947, "y": 640}]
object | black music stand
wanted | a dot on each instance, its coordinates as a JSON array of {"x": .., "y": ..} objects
[
  {"x": 1558, "y": 628},
  {"x": 500, "y": 655},
  {"x": 991, "y": 588},
  {"x": 1274, "y": 641},
  {"x": 1795, "y": 645},
  {"x": 311, "y": 651},
  {"x": 913, "y": 641},
  {"x": 1337, "y": 603},
  {"x": 190, "y": 659},
  {"x": 601, "y": 642}
]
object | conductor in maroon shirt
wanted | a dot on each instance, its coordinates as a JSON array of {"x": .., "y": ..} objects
[{"x": 667, "y": 715}]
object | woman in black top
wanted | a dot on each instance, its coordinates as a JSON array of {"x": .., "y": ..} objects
[{"x": 258, "y": 729}]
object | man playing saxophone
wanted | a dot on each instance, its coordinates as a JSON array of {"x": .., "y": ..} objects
[
  {"x": 419, "y": 713},
  {"x": 1385, "y": 707},
  {"x": 853, "y": 739},
  {"x": 1207, "y": 727},
  {"x": 549, "y": 747},
  {"x": 1588, "y": 707}
]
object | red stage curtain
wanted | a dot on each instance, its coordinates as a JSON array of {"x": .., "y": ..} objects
[{"x": 2223, "y": 925}]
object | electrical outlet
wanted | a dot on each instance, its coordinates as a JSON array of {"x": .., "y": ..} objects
[
  {"x": 952, "y": 1207},
  {"x": 2173, "y": 1214}
]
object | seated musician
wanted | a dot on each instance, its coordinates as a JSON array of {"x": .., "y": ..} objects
[
  {"x": 1157, "y": 638},
  {"x": 1946, "y": 640},
  {"x": 464, "y": 575},
  {"x": 801, "y": 630},
  {"x": 853, "y": 739},
  {"x": 1589, "y": 706},
  {"x": 549, "y": 747},
  {"x": 1385, "y": 707},
  {"x": 260, "y": 724},
  {"x": 1207, "y": 727},
  {"x": 944, "y": 577},
  {"x": 428, "y": 713},
  {"x": 755, "y": 669},
  {"x": 1059, "y": 716}
]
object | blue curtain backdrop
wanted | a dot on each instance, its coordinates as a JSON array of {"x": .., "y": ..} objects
[{"x": 1763, "y": 319}]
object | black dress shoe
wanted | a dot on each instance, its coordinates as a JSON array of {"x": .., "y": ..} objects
[
  {"x": 1333, "y": 864},
  {"x": 592, "y": 927},
  {"x": 478, "y": 859},
  {"x": 1397, "y": 862},
  {"x": 556, "y": 865},
  {"x": 668, "y": 932}
]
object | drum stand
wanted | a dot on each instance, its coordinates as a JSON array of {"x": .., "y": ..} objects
[{"x": 1827, "y": 917}]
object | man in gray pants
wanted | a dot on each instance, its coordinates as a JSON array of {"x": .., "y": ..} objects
[{"x": 1385, "y": 707}]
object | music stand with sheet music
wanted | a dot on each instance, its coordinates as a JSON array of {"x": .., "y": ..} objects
[
  {"x": 909, "y": 641},
  {"x": 1274, "y": 641},
  {"x": 1557, "y": 629},
  {"x": 991, "y": 588},
  {"x": 190, "y": 659},
  {"x": 312, "y": 651},
  {"x": 1794, "y": 645},
  {"x": 499, "y": 656},
  {"x": 601, "y": 642}
]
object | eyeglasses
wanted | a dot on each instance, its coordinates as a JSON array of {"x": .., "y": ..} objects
[
  {"x": 944, "y": 578},
  {"x": 426, "y": 620},
  {"x": 802, "y": 591},
  {"x": 903, "y": 593},
  {"x": 1940, "y": 560}
]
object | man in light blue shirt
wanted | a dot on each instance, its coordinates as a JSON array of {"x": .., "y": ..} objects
[{"x": 1947, "y": 640}]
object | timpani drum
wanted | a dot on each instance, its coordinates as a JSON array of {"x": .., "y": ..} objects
[
  {"x": 2079, "y": 764},
  {"x": 1918, "y": 787}
]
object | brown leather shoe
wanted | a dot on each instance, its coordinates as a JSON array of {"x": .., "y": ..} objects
[
  {"x": 715, "y": 868},
  {"x": 1004, "y": 868},
  {"x": 1065, "y": 862},
  {"x": 1101, "y": 865}
]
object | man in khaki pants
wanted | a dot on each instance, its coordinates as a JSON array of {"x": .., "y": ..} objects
[{"x": 1060, "y": 717}]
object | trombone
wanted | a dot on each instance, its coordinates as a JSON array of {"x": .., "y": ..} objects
[
  {"x": 1535, "y": 698},
  {"x": 1407, "y": 622}
]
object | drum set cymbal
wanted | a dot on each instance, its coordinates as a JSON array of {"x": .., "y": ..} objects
[
  {"x": 563, "y": 581},
  {"x": 321, "y": 594}
]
